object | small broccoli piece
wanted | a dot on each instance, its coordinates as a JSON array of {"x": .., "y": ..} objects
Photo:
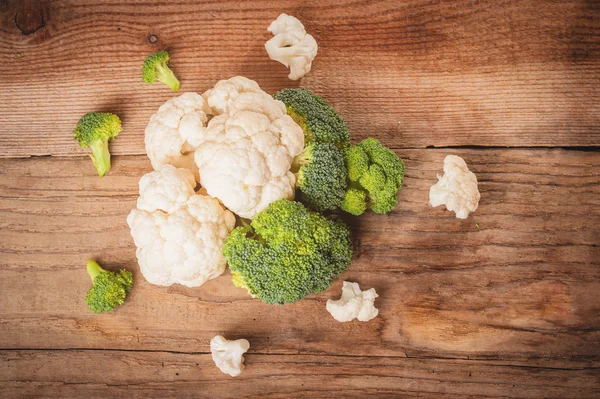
[
  {"x": 321, "y": 176},
  {"x": 94, "y": 130},
  {"x": 156, "y": 68},
  {"x": 318, "y": 119},
  {"x": 288, "y": 252},
  {"x": 109, "y": 288},
  {"x": 376, "y": 171}
]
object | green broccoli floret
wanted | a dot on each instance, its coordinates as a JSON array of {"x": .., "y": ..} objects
[
  {"x": 321, "y": 176},
  {"x": 319, "y": 121},
  {"x": 156, "y": 68},
  {"x": 375, "y": 175},
  {"x": 94, "y": 130},
  {"x": 288, "y": 252},
  {"x": 110, "y": 288}
]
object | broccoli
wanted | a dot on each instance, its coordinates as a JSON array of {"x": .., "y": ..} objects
[
  {"x": 94, "y": 130},
  {"x": 156, "y": 68},
  {"x": 110, "y": 288},
  {"x": 375, "y": 175},
  {"x": 319, "y": 121},
  {"x": 321, "y": 176},
  {"x": 287, "y": 253}
]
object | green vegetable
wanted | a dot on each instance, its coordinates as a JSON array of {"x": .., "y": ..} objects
[
  {"x": 109, "y": 290},
  {"x": 319, "y": 121},
  {"x": 156, "y": 68},
  {"x": 375, "y": 174},
  {"x": 288, "y": 252},
  {"x": 94, "y": 130},
  {"x": 321, "y": 176}
]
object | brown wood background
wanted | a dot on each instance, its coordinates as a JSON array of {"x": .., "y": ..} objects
[{"x": 504, "y": 304}]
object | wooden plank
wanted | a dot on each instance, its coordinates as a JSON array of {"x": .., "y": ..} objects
[
  {"x": 519, "y": 280},
  {"x": 414, "y": 73},
  {"x": 82, "y": 373}
]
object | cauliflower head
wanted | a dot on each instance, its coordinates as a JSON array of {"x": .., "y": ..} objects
[
  {"x": 174, "y": 132},
  {"x": 457, "y": 188},
  {"x": 291, "y": 45},
  {"x": 220, "y": 97},
  {"x": 229, "y": 355},
  {"x": 247, "y": 152},
  {"x": 354, "y": 304},
  {"x": 179, "y": 234}
]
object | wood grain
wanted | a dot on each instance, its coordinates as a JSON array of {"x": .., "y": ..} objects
[
  {"x": 91, "y": 374},
  {"x": 414, "y": 73},
  {"x": 518, "y": 281}
]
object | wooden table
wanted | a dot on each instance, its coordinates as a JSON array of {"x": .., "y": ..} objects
[{"x": 503, "y": 304}]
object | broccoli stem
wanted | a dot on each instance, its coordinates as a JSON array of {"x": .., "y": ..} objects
[
  {"x": 166, "y": 76},
  {"x": 100, "y": 156},
  {"x": 93, "y": 269}
]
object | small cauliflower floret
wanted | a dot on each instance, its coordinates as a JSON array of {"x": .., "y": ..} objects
[
  {"x": 247, "y": 152},
  {"x": 291, "y": 45},
  {"x": 220, "y": 97},
  {"x": 175, "y": 131},
  {"x": 229, "y": 355},
  {"x": 354, "y": 304},
  {"x": 179, "y": 235},
  {"x": 457, "y": 188}
]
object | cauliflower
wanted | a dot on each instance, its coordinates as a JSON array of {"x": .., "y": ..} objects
[
  {"x": 174, "y": 132},
  {"x": 246, "y": 155},
  {"x": 291, "y": 45},
  {"x": 354, "y": 304},
  {"x": 220, "y": 97},
  {"x": 229, "y": 355},
  {"x": 179, "y": 234},
  {"x": 457, "y": 189}
]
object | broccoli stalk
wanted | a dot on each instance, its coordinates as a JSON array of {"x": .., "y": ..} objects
[
  {"x": 375, "y": 175},
  {"x": 287, "y": 253},
  {"x": 156, "y": 68},
  {"x": 94, "y": 130},
  {"x": 109, "y": 288}
]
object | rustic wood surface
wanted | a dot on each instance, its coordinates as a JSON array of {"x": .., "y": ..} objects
[{"x": 503, "y": 304}]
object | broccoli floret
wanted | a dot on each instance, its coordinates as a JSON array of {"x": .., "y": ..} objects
[
  {"x": 156, "y": 68},
  {"x": 321, "y": 176},
  {"x": 94, "y": 130},
  {"x": 288, "y": 252},
  {"x": 318, "y": 119},
  {"x": 110, "y": 288},
  {"x": 377, "y": 172}
]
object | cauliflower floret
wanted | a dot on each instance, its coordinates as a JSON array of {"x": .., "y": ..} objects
[
  {"x": 174, "y": 132},
  {"x": 179, "y": 235},
  {"x": 354, "y": 304},
  {"x": 291, "y": 45},
  {"x": 225, "y": 91},
  {"x": 229, "y": 355},
  {"x": 457, "y": 189},
  {"x": 247, "y": 153}
]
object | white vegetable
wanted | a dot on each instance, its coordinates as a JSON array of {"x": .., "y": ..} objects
[
  {"x": 354, "y": 304},
  {"x": 291, "y": 45},
  {"x": 179, "y": 234},
  {"x": 225, "y": 91},
  {"x": 457, "y": 188},
  {"x": 174, "y": 131},
  {"x": 228, "y": 355},
  {"x": 246, "y": 155}
]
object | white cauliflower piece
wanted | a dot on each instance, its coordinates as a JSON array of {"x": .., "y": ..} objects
[
  {"x": 457, "y": 188},
  {"x": 229, "y": 355},
  {"x": 174, "y": 132},
  {"x": 225, "y": 91},
  {"x": 291, "y": 45},
  {"x": 354, "y": 304},
  {"x": 247, "y": 153},
  {"x": 179, "y": 234}
]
